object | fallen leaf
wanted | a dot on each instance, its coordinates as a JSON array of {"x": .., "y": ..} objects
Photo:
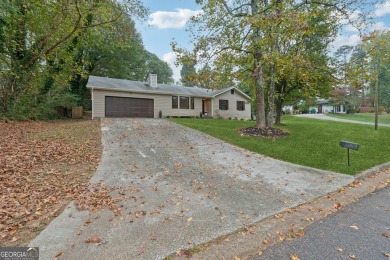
[
  {"x": 294, "y": 257},
  {"x": 340, "y": 249},
  {"x": 236, "y": 258},
  {"x": 387, "y": 255},
  {"x": 14, "y": 239},
  {"x": 386, "y": 234},
  {"x": 352, "y": 256},
  {"x": 189, "y": 219},
  {"x": 95, "y": 240},
  {"x": 354, "y": 227},
  {"x": 265, "y": 242},
  {"x": 337, "y": 205},
  {"x": 260, "y": 253},
  {"x": 140, "y": 251},
  {"x": 79, "y": 232},
  {"x": 60, "y": 253},
  {"x": 355, "y": 184}
]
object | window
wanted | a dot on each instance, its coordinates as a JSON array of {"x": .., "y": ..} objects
[
  {"x": 184, "y": 102},
  {"x": 240, "y": 105},
  {"x": 223, "y": 104},
  {"x": 192, "y": 103},
  {"x": 174, "y": 102},
  {"x": 232, "y": 91}
]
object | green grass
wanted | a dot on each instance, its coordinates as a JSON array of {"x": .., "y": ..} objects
[
  {"x": 313, "y": 143},
  {"x": 363, "y": 117}
]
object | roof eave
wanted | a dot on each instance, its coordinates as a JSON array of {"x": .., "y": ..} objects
[{"x": 146, "y": 92}]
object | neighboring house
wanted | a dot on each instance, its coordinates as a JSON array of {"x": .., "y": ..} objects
[
  {"x": 126, "y": 98},
  {"x": 323, "y": 106}
]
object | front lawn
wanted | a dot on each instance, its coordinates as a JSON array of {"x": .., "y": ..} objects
[
  {"x": 363, "y": 117},
  {"x": 313, "y": 143}
]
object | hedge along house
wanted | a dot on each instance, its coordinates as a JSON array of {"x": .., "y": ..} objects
[{"x": 126, "y": 98}]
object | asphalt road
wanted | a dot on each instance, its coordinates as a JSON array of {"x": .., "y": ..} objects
[
  {"x": 359, "y": 231},
  {"x": 177, "y": 188}
]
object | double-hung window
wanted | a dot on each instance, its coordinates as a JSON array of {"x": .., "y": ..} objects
[
  {"x": 240, "y": 105},
  {"x": 184, "y": 102},
  {"x": 223, "y": 104},
  {"x": 175, "y": 102}
]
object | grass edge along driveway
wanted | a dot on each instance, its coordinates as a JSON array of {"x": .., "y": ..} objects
[
  {"x": 313, "y": 143},
  {"x": 363, "y": 117}
]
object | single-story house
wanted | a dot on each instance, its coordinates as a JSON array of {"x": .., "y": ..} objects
[
  {"x": 126, "y": 98},
  {"x": 323, "y": 106}
]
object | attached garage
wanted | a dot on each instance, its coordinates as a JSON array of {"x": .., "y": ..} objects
[{"x": 128, "y": 107}]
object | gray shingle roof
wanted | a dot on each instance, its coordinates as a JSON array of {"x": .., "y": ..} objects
[{"x": 142, "y": 87}]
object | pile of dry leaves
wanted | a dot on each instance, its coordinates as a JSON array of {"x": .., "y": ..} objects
[
  {"x": 268, "y": 132},
  {"x": 43, "y": 166}
]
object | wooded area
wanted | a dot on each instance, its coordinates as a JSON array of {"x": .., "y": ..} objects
[{"x": 49, "y": 48}]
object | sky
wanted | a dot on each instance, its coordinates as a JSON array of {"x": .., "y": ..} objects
[{"x": 168, "y": 18}]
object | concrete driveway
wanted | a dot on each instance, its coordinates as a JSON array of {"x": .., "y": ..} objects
[
  {"x": 180, "y": 188},
  {"x": 329, "y": 118}
]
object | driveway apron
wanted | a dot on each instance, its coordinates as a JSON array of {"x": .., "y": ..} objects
[{"x": 179, "y": 188}]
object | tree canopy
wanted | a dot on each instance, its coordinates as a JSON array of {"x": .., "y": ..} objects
[
  {"x": 267, "y": 44},
  {"x": 48, "y": 49}
]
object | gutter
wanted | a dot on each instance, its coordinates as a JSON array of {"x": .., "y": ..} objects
[{"x": 147, "y": 92}]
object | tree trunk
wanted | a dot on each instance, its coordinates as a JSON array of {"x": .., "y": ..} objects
[
  {"x": 260, "y": 107},
  {"x": 258, "y": 70},
  {"x": 279, "y": 107},
  {"x": 376, "y": 103},
  {"x": 271, "y": 101}
]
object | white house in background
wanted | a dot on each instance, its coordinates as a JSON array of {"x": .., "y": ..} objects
[
  {"x": 126, "y": 98},
  {"x": 324, "y": 107},
  {"x": 321, "y": 108}
]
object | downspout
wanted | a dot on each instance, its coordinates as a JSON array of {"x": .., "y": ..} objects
[
  {"x": 212, "y": 107},
  {"x": 93, "y": 110}
]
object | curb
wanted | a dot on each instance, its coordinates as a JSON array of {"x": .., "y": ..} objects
[{"x": 373, "y": 170}]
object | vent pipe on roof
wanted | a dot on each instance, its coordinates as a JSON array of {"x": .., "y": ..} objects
[{"x": 152, "y": 80}]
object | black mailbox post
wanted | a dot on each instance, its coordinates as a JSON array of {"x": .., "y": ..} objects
[{"x": 349, "y": 145}]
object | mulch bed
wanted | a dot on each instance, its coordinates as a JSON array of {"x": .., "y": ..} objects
[{"x": 268, "y": 132}]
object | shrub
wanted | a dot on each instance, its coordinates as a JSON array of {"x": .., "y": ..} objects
[{"x": 381, "y": 110}]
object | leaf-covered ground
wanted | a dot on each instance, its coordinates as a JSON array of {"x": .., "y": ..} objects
[{"x": 43, "y": 166}]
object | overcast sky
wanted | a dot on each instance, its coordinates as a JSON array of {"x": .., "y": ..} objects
[{"x": 168, "y": 18}]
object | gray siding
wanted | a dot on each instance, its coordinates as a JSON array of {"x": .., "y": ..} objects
[
  {"x": 161, "y": 103},
  {"x": 232, "y": 111}
]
